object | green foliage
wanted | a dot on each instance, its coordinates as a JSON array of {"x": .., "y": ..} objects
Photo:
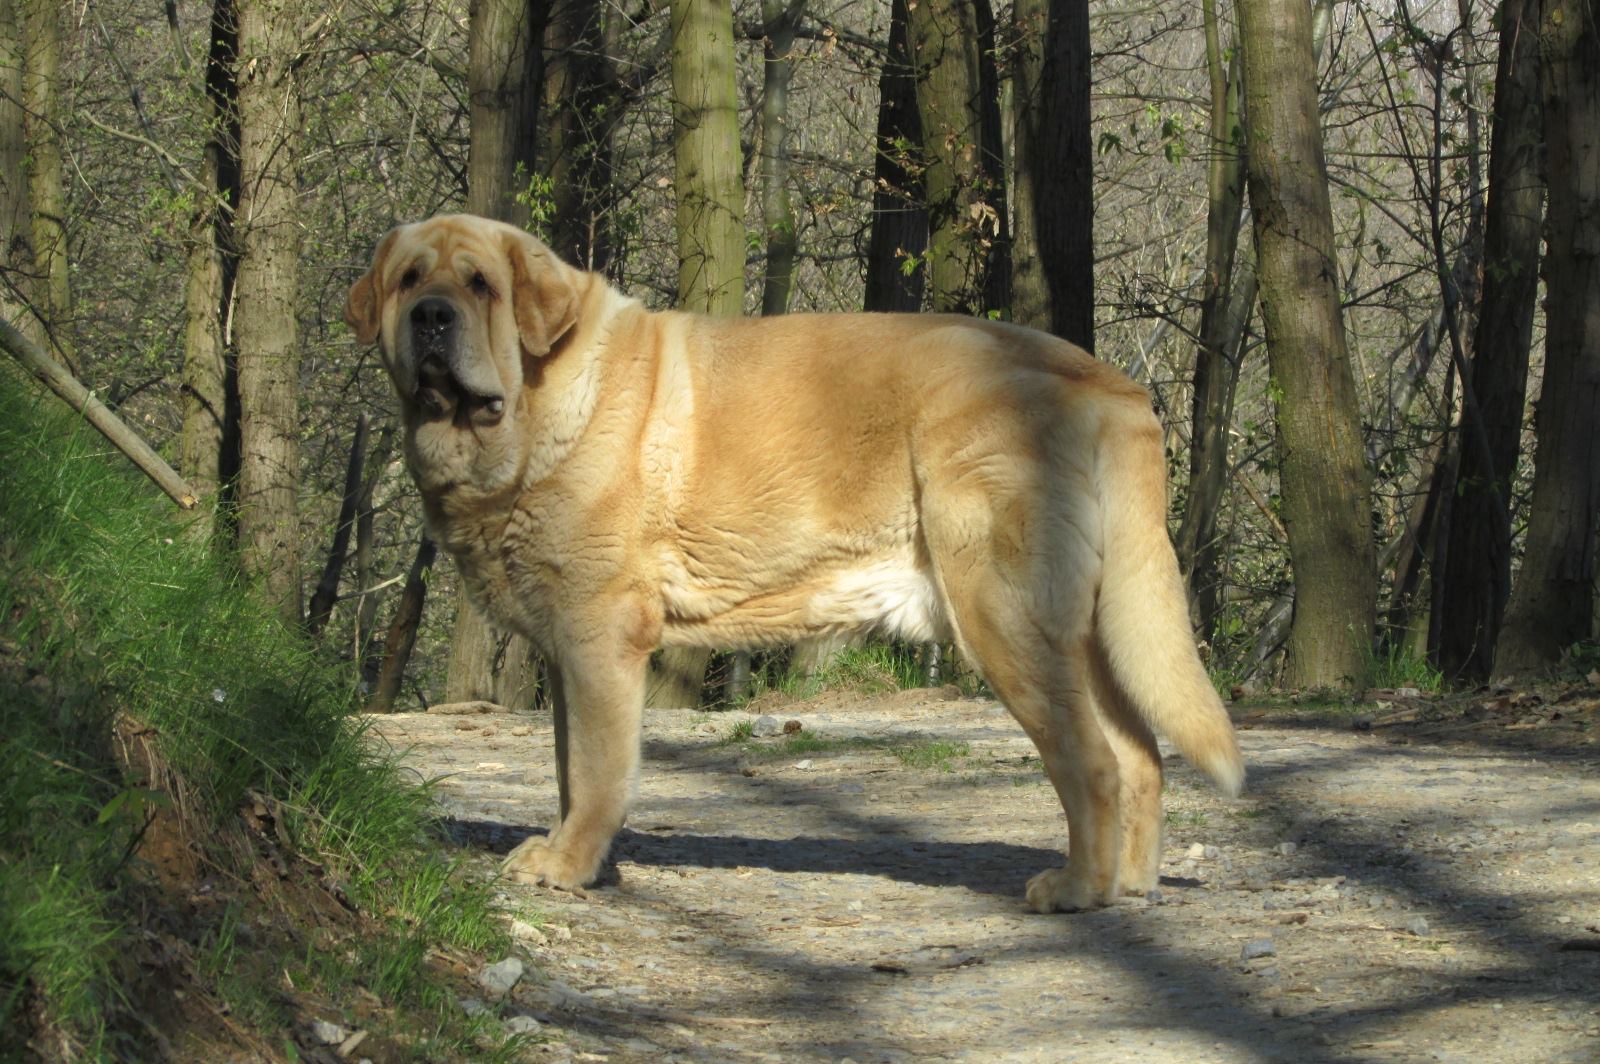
[
  {"x": 934, "y": 754},
  {"x": 109, "y": 605},
  {"x": 1401, "y": 666}
]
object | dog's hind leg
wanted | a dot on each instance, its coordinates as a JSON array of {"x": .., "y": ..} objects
[
  {"x": 1034, "y": 653},
  {"x": 1139, "y": 768}
]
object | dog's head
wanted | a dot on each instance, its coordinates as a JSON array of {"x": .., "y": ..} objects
[{"x": 462, "y": 308}]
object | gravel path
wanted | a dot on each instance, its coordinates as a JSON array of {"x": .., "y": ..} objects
[{"x": 860, "y": 897}]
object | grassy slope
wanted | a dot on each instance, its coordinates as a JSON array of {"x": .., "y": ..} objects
[{"x": 109, "y": 614}]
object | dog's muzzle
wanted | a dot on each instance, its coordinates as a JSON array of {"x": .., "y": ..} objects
[{"x": 445, "y": 374}]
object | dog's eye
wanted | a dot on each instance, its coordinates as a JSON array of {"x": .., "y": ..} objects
[
  {"x": 409, "y": 278},
  {"x": 480, "y": 285}
]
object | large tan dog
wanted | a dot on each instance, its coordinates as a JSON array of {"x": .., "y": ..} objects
[{"x": 611, "y": 480}]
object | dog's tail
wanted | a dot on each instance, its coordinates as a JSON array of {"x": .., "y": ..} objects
[{"x": 1142, "y": 615}]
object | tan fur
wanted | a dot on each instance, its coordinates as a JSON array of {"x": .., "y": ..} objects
[{"x": 662, "y": 479}]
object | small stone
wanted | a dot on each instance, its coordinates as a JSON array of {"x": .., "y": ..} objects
[
  {"x": 329, "y": 1034},
  {"x": 523, "y": 931},
  {"x": 559, "y": 932},
  {"x": 1196, "y": 851},
  {"x": 521, "y": 729},
  {"x": 1210, "y": 853},
  {"x": 1408, "y": 692},
  {"x": 1154, "y": 896},
  {"x": 766, "y": 726},
  {"x": 473, "y": 1006},
  {"x": 498, "y": 979},
  {"x": 1258, "y": 947},
  {"x": 802, "y": 765},
  {"x": 1286, "y": 849},
  {"x": 522, "y": 1025},
  {"x": 1417, "y": 925}
]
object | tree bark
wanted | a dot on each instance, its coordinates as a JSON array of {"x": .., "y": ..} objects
[
  {"x": 779, "y": 20},
  {"x": 209, "y": 446},
  {"x": 899, "y": 231},
  {"x": 16, "y": 212},
  {"x": 504, "y": 74},
  {"x": 1324, "y": 479},
  {"x": 402, "y": 636},
  {"x": 504, "y": 70},
  {"x": 1476, "y": 583},
  {"x": 710, "y": 201},
  {"x": 583, "y": 106},
  {"x": 43, "y": 38},
  {"x": 266, "y": 325},
  {"x": 1552, "y": 606},
  {"x": 1222, "y": 325},
  {"x": 710, "y": 224},
  {"x": 327, "y": 592},
  {"x": 964, "y": 196},
  {"x": 1052, "y": 275}
]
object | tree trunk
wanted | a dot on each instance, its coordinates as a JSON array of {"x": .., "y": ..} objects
[
  {"x": 1323, "y": 475},
  {"x": 16, "y": 213},
  {"x": 363, "y": 643},
  {"x": 1222, "y": 326},
  {"x": 503, "y": 77},
  {"x": 1052, "y": 277},
  {"x": 265, "y": 324},
  {"x": 710, "y": 202},
  {"x": 779, "y": 19},
  {"x": 1552, "y": 606},
  {"x": 327, "y": 592},
  {"x": 43, "y": 36},
  {"x": 504, "y": 74},
  {"x": 209, "y": 447},
  {"x": 1473, "y": 590},
  {"x": 964, "y": 198},
  {"x": 710, "y": 224},
  {"x": 403, "y": 631},
  {"x": 899, "y": 233},
  {"x": 583, "y": 108}
]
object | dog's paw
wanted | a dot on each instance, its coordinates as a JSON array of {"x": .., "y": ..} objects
[
  {"x": 538, "y": 863},
  {"x": 1058, "y": 890}
]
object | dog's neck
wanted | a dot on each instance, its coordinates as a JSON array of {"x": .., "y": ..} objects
[{"x": 562, "y": 387}]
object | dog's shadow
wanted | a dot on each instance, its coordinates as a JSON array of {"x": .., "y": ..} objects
[{"x": 995, "y": 868}]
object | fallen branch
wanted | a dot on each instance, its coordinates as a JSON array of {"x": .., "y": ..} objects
[{"x": 113, "y": 428}]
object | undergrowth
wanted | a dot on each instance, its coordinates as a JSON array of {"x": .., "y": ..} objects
[
  {"x": 872, "y": 669},
  {"x": 115, "y": 619}
]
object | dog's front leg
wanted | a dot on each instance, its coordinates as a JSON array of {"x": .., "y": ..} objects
[{"x": 599, "y": 697}]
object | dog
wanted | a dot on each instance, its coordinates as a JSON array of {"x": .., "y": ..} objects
[{"x": 611, "y": 480}]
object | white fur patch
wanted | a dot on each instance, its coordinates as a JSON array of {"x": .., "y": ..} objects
[{"x": 894, "y": 597}]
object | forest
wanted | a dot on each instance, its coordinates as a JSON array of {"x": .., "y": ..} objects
[{"x": 1349, "y": 249}]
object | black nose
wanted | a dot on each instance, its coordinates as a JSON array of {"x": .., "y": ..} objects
[{"x": 433, "y": 314}]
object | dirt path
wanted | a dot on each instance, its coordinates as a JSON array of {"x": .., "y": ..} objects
[{"x": 1366, "y": 901}]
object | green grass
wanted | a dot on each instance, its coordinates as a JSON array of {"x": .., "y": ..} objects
[
  {"x": 108, "y": 606},
  {"x": 876, "y": 668},
  {"x": 932, "y": 754},
  {"x": 1401, "y": 666}
]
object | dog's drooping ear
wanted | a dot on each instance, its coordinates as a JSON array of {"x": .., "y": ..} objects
[
  {"x": 543, "y": 295},
  {"x": 363, "y": 308}
]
